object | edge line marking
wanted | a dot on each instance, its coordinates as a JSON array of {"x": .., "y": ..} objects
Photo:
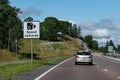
[{"x": 45, "y": 73}]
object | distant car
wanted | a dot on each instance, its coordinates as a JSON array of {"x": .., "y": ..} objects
[{"x": 83, "y": 56}]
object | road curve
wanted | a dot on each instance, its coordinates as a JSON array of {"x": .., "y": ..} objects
[{"x": 102, "y": 69}]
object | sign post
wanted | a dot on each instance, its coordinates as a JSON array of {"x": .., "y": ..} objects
[
  {"x": 31, "y": 30},
  {"x": 16, "y": 42},
  {"x": 31, "y": 51},
  {"x": 110, "y": 49}
]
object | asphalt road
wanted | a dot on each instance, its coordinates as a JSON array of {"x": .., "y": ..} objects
[{"x": 102, "y": 69}]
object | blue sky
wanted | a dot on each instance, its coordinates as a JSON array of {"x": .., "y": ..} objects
[
  {"x": 100, "y": 18},
  {"x": 76, "y": 10}
]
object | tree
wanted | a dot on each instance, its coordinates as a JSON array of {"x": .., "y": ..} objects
[
  {"x": 118, "y": 49},
  {"x": 94, "y": 45},
  {"x": 106, "y": 47},
  {"x": 88, "y": 39},
  {"x": 10, "y": 25},
  {"x": 29, "y": 19},
  {"x": 74, "y": 31},
  {"x": 50, "y": 27},
  {"x": 64, "y": 26},
  {"x": 108, "y": 43},
  {"x": 4, "y": 2},
  {"x": 111, "y": 43},
  {"x": 79, "y": 32}
]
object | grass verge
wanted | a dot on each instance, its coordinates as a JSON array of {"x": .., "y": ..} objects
[{"x": 8, "y": 72}]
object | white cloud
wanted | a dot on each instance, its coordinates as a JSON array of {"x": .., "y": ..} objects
[
  {"x": 118, "y": 26},
  {"x": 118, "y": 38},
  {"x": 87, "y": 24},
  {"x": 102, "y": 40},
  {"x": 30, "y": 11},
  {"x": 85, "y": 32},
  {"x": 73, "y": 22},
  {"x": 100, "y": 33}
]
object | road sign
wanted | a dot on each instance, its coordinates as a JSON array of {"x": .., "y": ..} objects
[
  {"x": 31, "y": 29},
  {"x": 110, "y": 48}
]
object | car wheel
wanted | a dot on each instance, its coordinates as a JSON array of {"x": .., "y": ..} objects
[
  {"x": 76, "y": 63},
  {"x": 90, "y": 63}
]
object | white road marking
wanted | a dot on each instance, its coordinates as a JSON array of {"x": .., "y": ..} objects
[
  {"x": 111, "y": 59},
  {"x": 42, "y": 75},
  {"x": 98, "y": 66},
  {"x": 118, "y": 77},
  {"x": 105, "y": 70},
  {"x": 93, "y": 63}
]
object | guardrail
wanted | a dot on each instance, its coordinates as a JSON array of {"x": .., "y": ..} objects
[{"x": 116, "y": 55}]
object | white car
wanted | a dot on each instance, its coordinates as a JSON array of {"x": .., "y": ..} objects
[{"x": 83, "y": 56}]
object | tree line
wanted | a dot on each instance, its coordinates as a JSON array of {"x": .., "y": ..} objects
[
  {"x": 51, "y": 27},
  {"x": 110, "y": 43},
  {"x": 10, "y": 25},
  {"x": 11, "y": 28}
]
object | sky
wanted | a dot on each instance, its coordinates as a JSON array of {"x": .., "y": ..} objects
[{"x": 99, "y": 18}]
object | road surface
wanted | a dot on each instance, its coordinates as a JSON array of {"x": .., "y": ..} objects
[{"x": 102, "y": 69}]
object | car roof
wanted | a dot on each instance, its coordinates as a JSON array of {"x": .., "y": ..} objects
[{"x": 83, "y": 51}]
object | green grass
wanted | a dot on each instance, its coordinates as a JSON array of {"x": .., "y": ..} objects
[
  {"x": 59, "y": 46},
  {"x": 43, "y": 52},
  {"x": 25, "y": 45},
  {"x": 10, "y": 71}
]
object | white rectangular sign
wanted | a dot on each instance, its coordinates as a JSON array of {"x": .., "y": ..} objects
[
  {"x": 110, "y": 48},
  {"x": 31, "y": 29}
]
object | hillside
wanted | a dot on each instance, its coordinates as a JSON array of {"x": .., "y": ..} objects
[
  {"x": 45, "y": 53},
  {"x": 43, "y": 49},
  {"x": 6, "y": 56},
  {"x": 47, "y": 49}
]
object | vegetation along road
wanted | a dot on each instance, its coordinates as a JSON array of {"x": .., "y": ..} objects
[{"x": 59, "y": 40}]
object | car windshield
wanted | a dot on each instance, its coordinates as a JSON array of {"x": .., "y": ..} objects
[{"x": 83, "y": 53}]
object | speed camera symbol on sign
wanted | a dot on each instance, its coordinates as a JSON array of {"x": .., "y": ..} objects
[
  {"x": 30, "y": 26},
  {"x": 31, "y": 30}
]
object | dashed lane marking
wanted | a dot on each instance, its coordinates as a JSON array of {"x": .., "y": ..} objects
[
  {"x": 98, "y": 66},
  {"x": 118, "y": 77},
  {"x": 105, "y": 70},
  {"x": 93, "y": 63}
]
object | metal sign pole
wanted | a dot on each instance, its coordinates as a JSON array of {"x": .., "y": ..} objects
[
  {"x": 16, "y": 42},
  {"x": 31, "y": 51},
  {"x": 16, "y": 50}
]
